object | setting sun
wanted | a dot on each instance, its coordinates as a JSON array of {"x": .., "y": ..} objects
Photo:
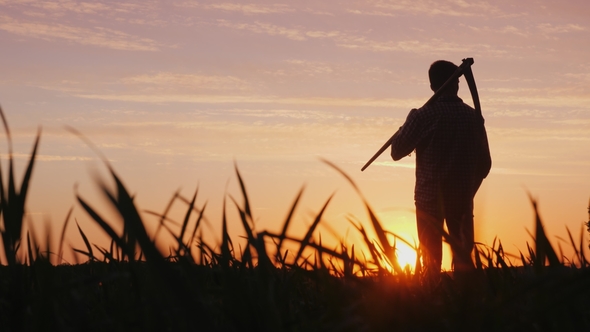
[{"x": 406, "y": 255}]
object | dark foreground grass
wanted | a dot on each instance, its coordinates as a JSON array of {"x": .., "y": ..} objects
[
  {"x": 259, "y": 285},
  {"x": 103, "y": 296}
]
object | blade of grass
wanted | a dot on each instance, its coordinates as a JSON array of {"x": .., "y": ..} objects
[
  {"x": 569, "y": 234},
  {"x": 86, "y": 242},
  {"x": 225, "y": 257},
  {"x": 85, "y": 253},
  {"x": 478, "y": 262},
  {"x": 164, "y": 215},
  {"x": 370, "y": 244},
  {"x": 29, "y": 171},
  {"x": 63, "y": 233},
  {"x": 30, "y": 250},
  {"x": 543, "y": 247},
  {"x": 98, "y": 219},
  {"x": 246, "y": 254},
  {"x": 288, "y": 221},
  {"x": 197, "y": 224},
  {"x": 6, "y": 130},
  {"x": 523, "y": 260},
  {"x": 582, "y": 248},
  {"x": 105, "y": 254},
  {"x": 247, "y": 209},
  {"x": 305, "y": 241},
  {"x": 186, "y": 219}
]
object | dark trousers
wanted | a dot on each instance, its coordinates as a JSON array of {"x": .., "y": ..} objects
[{"x": 430, "y": 235}]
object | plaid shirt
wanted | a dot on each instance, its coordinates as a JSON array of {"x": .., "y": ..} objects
[{"x": 452, "y": 154}]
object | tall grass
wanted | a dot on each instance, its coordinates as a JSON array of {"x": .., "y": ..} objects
[{"x": 265, "y": 284}]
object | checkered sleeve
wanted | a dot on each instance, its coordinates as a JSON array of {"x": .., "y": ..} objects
[{"x": 408, "y": 136}]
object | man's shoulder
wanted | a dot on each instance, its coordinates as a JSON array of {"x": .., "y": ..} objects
[
  {"x": 445, "y": 104},
  {"x": 417, "y": 114}
]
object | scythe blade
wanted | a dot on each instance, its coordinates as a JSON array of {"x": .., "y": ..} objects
[{"x": 472, "y": 88}]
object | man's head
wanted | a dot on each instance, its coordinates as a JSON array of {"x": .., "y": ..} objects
[{"x": 439, "y": 73}]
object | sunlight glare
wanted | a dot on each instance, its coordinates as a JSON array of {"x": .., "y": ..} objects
[{"x": 405, "y": 255}]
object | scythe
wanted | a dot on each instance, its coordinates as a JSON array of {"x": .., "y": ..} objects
[{"x": 465, "y": 70}]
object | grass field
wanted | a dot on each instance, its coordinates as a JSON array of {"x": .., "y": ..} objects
[{"x": 263, "y": 286}]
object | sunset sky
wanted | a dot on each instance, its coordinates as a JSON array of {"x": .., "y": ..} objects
[{"x": 173, "y": 92}]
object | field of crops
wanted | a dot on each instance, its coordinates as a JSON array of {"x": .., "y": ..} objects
[{"x": 262, "y": 286}]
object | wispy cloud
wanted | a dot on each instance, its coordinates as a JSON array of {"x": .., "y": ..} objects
[
  {"x": 531, "y": 134},
  {"x": 458, "y": 8},
  {"x": 145, "y": 13},
  {"x": 251, "y": 99},
  {"x": 308, "y": 115},
  {"x": 515, "y": 31},
  {"x": 575, "y": 122},
  {"x": 529, "y": 113},
  {"x": 298, "y": 34},
  {"x": 265, "y": 28},
  {"x": 174, "y": 81},
  {"x": 323, "y": 34},
  {"x": 44, "y": 157},
  {"x": 98, "y": 36},
  {"x": 311, "y": 68},
  {"x": 369, "y": 12},
  {"x": 359, "y": 42},
  {"x": 251, "y": 8},
  {"x": 403, "y": 164},
  {"x": 411, "y": 46},
  {"x": 564, "y": 28},
  {"x": 432, "y": 46},
  {"x": 257, "y": 121},
  {"x": 154, "y": 84},
  {"x": 583, "y": 76},
  {"x": 557, "y": 101},
  {"x": 508, "y": 29},
  {"x": 63, "y": 7},
  {"x": 515, "y": 171}
]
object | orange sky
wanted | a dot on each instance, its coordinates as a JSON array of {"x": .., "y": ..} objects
[{"x": 172, "y": 92}]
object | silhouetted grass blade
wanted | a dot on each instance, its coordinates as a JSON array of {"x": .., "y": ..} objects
[
  {"x": 30, "y": 250},
  {"x": 288, "y": 221},
  {"x": 29, "y": 171},
  {"x": 385, "y": 246},
  {"x": 163, "y": 216},
  {"x": 63, "y": 233},
  {"x": 372, "y": 250},
  {"x": 307, "y": 237},
  {"x": 247, "y": 209},
  {"x": 225, "y": 257},
  {"x": 543, "y": 247},
  {"x": 348, "y": 178},
  {"x": 244, "y": 218},
  {"x": 86, "y": 242},
  {"x": 576, "y": 251},
  {"x": 108, "y": 229},
  {"x": 187, "y": 216},
  {"x": 197, "y": 224}
]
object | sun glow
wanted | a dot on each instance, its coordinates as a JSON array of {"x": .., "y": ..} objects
[{"x": 406, "y": 255}]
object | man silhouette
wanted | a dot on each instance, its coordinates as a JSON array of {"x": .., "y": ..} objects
[{"x": 452, "y": 159}]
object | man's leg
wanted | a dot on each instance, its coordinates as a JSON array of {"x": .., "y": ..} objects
[
  {"x": 460, "y": 226},
  {"x": 430, "y": 239}
]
